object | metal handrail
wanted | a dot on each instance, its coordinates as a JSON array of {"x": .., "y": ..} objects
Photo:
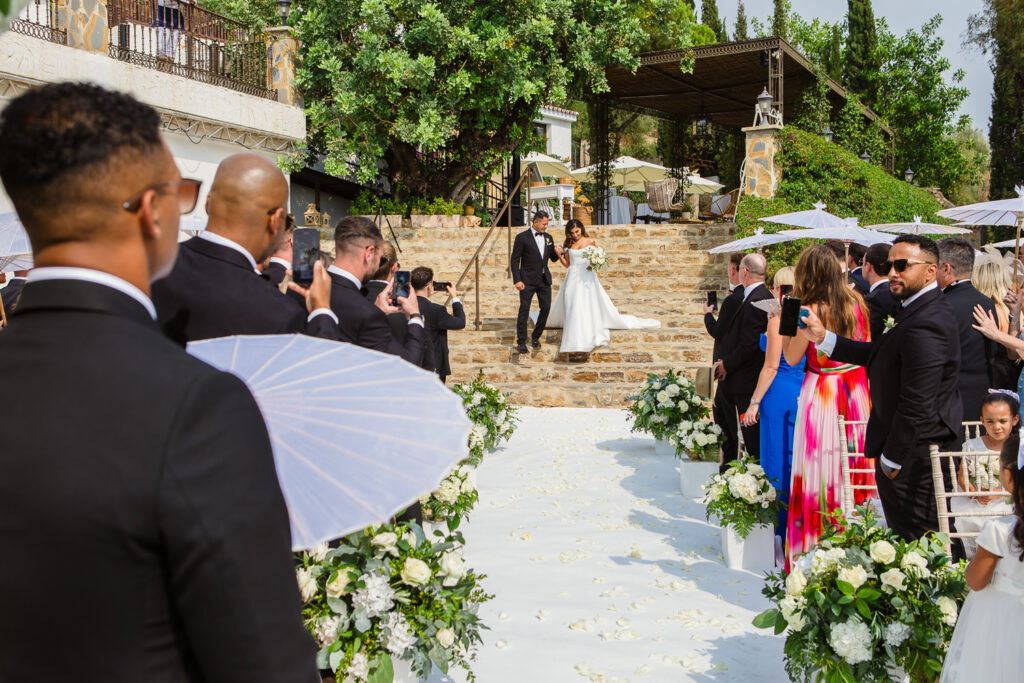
[{"x": 474, "y": 261}]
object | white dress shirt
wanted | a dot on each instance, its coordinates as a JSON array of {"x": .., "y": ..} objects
[
  {"x": 95, "y": 276},
  {"x": 878, "y": 283},
  {"x": 828, "y": 345},
  {"x": 230, "y": 244},
  {"x": 751, "y": 288},
  {"x": 538, "y": 238},
  {"x": 280, "y": 261},
  {"x": 359, "y": 285}
]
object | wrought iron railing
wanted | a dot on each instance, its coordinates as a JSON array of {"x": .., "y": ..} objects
[
  {"x": 39, "y": 20},
  {"x": 191, "y": 41}
]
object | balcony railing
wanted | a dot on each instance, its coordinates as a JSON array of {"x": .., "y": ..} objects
[
  {"x": 39, "y": 20},
  {"x": 188, "y": 40}
]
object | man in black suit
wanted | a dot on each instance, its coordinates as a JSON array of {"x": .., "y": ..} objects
[
  {"x": 855, "y": 266},
  {"x": 358, "y": 245},
  {"x": 438, "y": 321},
  {"x": 380, "y": 281},
  {"x": 12, "y": 291},
  {"x": 723, "y": 409},
  {"x": 215, "y": 289},
  {"x": 977, "y": 352},
  {"x": 531, "y": 252},
  {"x": 741, "y": 362},
  {"x": 157, "y": 477},
  {"x": 279, "y": 265},
  {"x": 880, "y": 303},
  {"x": 913, "y": 373}
]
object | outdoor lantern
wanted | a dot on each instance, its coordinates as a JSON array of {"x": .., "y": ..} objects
[
  {"x": 827, "y": 133},
  {"x": 702, "y": 129},
  {"x": 283, "y": 6},
  {"x": 908, "y": 175},
  {"x": 764, "y": 102},
  {"x": 311, "y": 217},
  {"x": 865, "y": 157}
]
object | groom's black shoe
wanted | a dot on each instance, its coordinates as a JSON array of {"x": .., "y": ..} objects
[
  {"x": 536, "y": 343},
  {"x": 522, "y": 349}
]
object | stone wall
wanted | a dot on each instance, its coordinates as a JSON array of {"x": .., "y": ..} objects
[
  {"x": 761, "y": 175},
  {"x": 85, "y": 23}
]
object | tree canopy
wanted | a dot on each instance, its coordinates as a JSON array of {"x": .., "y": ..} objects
[
  {"x": 741, "y": 23},
  {"x": 862, "y": 62},
  {"x": 709, "y": 17}
]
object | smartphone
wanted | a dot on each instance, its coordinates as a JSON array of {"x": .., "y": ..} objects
[
  {"x": 713, "y": 299},
  {"x": 786, "y": 289},
  {"x": 400, "y": 287},
  {"x": 305, "y": 254},
  {"x": 442, "y": 286},
  {"x": 790, "y": 316}
]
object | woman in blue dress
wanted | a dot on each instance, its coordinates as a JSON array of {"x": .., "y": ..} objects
[{"x": 774, "y": 405}]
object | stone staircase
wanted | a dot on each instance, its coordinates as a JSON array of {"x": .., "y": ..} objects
[{"x": 657, "y": 271}]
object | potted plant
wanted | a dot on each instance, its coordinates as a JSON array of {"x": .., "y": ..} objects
[
  {"x": 865, "y": 605},
  {"x": 698, "y": 445},
  {"x": 661, "y": 404},
  {"x": 744, "y": 503}
]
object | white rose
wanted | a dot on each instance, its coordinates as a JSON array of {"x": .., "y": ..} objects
[
  {"x": 882, "y": 552},
  {"x": 415, "y": 572},
  {"x": 796, "y": 582},
  {"x": 915, "y": 565},
  {"x": 855, "y": 575},
  {"x": 410, "y": 538},
  {"x": 453, "y": 569},
  {"x": 683, "y": 405},
  {"x": 893, "y": 579},
  {"x": 685, "y": 426},
  {"x": 673, "y": 390},
  {"x": 948, "y": 607},
  {"x": 359, "y": 669},
  {"x": 338, "y": 586},
  {"x": 467, "y": 485},
  {"x": 755, "y": 469},
  {"x": 445, "y": 637},
  {"x": 307, "y": 584},
  {"x": 792, "y": 611},
  {"x": 716, "y": 429},
  {"x": 662, "y": 396},
  {"x": 701, "y": 440},
  {"x": 386, "y": 542},
  {"x": 319, "y": 553},
  {"x": 327, "y": 630},
  {"x": 448, "y": 492}
]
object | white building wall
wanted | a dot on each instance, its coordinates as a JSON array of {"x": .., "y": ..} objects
[{"x": 558, "y": 123}]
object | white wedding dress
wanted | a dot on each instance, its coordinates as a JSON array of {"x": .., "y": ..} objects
[{"x": 584, "y": 312}]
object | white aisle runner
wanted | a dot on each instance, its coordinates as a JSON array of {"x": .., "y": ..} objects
[{"x": 601, "y": 570}]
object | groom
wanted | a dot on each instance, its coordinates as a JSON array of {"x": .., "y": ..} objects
[{"x": 531, "y": 252}]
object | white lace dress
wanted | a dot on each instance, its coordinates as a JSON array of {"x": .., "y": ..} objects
[
  {"x": 585, "y": 313},
  {"x": 959, "y": 506},
  {"x": 986, "y": 645}
]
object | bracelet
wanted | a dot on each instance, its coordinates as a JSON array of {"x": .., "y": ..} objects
[{"x": 755, "y": 403}]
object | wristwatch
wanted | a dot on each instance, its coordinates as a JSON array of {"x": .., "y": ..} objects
[{"x": 415, "y": 315}]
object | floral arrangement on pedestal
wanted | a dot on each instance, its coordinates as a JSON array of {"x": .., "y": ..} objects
[
  {"x": 698, "y": 439},
  {"x": 864, "y": 603},
  {"x": 454, "y": 499},
  {"x": 664, "y": 403},
  {"x": 742, "y": 497},
  {"x": 494, "y": 420},
  {"x": 596, "y": 258},
  {"x": 390, "y": 593}
]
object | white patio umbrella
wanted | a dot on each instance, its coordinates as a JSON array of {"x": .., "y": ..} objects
[
  {"x": 998, "y": 212},
  {"x": 759, "y": 239},
  {"x": 919, "y": 228},
  {"x": 817, "y": 217},
  {"x": 697, "y": 185},
  {"x": 628, "y": 172},
  {"x": 357, "y": 435},
  {"x": 849, "y": 233},
  {"x": 546, "y": 165}
]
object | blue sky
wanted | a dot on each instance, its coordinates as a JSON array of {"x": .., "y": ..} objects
[{"x": 902, "y": 15}]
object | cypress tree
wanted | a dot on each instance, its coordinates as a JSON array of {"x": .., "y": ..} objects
[
  {"x": 741, "y": 23},
  {"x": 834, "y": 55},
  {"x": 780, "y": 17},
  {"x": 1006, "y": 131},
  {"x": 862, "y": 63},
  {"x": 709, "y": 17}
]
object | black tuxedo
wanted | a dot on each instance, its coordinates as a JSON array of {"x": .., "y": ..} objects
[
  {"x": 397, "y": 322},
  {"x": 743, "y": 359},
  {"x": 365, "y": 325},
  {"x": 977, "y": 352},
  {"x": 151, "y": 472},
  {"x": 723, "y": 409},
  {"x": 275, "y": 273},
  {"x": 913, "y": 373},
  {"x": 880, "y": 306},
  {"x": 9, "y": 294},
  {"x": 860, "y": 285},
  {"x": 438, "y": 322},
  {"x": 530, "y": 267},
  {"x": 213, "y": 291}
]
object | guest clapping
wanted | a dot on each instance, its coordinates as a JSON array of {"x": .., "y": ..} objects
[{"x": 438, "y": 321}]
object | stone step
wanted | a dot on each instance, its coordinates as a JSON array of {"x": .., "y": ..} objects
[{"x": 629, "y": 376}]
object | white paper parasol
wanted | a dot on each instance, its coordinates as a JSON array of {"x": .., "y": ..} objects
[
  {"x": 756, "y": 241},
  {"x": 849, "y": 233},
  {"x": 919, "y": 228},
  {"x": 998, "y": 212},
  {"x": 817, "y": 217},
  {"x": 15, "y": 248},
  {"x": 358, "y": 435}
]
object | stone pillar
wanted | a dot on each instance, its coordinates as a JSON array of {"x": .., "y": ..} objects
[
  {"x": 760, "y": 174},
  {"x": 283, "y": 50},
  {"x": 85, "y": 22}
]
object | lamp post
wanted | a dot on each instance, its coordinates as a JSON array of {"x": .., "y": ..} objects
[
  {"x": 908, "y": 175},
  {"x": 283, "y": 8},
  {"x": 828, "y": 133},
  {"x": 865, "y": 157},
  {"x": 764, "y": 102}
]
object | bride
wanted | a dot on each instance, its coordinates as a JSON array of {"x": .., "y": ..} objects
[{"x": 582, "y": 308}]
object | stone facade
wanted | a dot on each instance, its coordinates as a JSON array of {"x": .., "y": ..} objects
[
  {"x": 284, "y": 53},
  {"x": 761, "y": 175},
  {"x": 85, "y": 22}
]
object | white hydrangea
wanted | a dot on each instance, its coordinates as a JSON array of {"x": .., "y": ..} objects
[
  {"x": 448, "y": 491},
  {"x": 914, "y": 564},
  {"x": 319, "y": 553},
  {"x": 400, "y": 634},
  {"x": 359, "y": 668},
  {"x": 327, "y": 630},
  {"x": 949, "y": 611},
  {"x": 744, "y": 486},
  {"x": 896, "y": 633},
  {"x": 377, "y": 597},
  {"x": 855, "y": 575},
  {"x": 852, "y": 641},
  {"x": 825, "y": 559},
  {"x": 477, "y": 399}
]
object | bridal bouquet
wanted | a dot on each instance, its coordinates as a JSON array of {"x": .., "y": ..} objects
[
  {"x": 390, "y": 594},
  {"x": 865, "y": 601},
  {"x": 663, "y": 403},
  {"x": 596, "y": 258},
  {"x": 742, "y": 497},
  {"x": 493, "y": 418}
]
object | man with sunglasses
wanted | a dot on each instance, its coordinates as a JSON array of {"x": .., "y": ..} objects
[
  {"x": 149, "y": 472},
  {"x": 216, "y": 288},
  {"x": 913, "y": 374}
]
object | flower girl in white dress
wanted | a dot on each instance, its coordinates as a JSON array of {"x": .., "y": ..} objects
[
  {"x": 987, "y": 643},
  {"x": 582, "y": 308}
]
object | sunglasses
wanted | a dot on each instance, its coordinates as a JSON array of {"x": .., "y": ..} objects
[
  {"x": 188, "y": 195},
  {"x": 901, "y": 264}
]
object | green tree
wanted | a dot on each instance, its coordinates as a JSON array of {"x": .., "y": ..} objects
[
  {"x": 974, "y": 146},
  {"x": 442, "y": 93},
  {"x": 862, "y": 62},
  {"x": 741, "y": 23},
  {"x": 256, "y": 14},
  {"x": 709, "y": 17},
  {"x": 780, "y": 18},
  {"x": 668, "y": 24},
  {"x": 833, "y": 62}
]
